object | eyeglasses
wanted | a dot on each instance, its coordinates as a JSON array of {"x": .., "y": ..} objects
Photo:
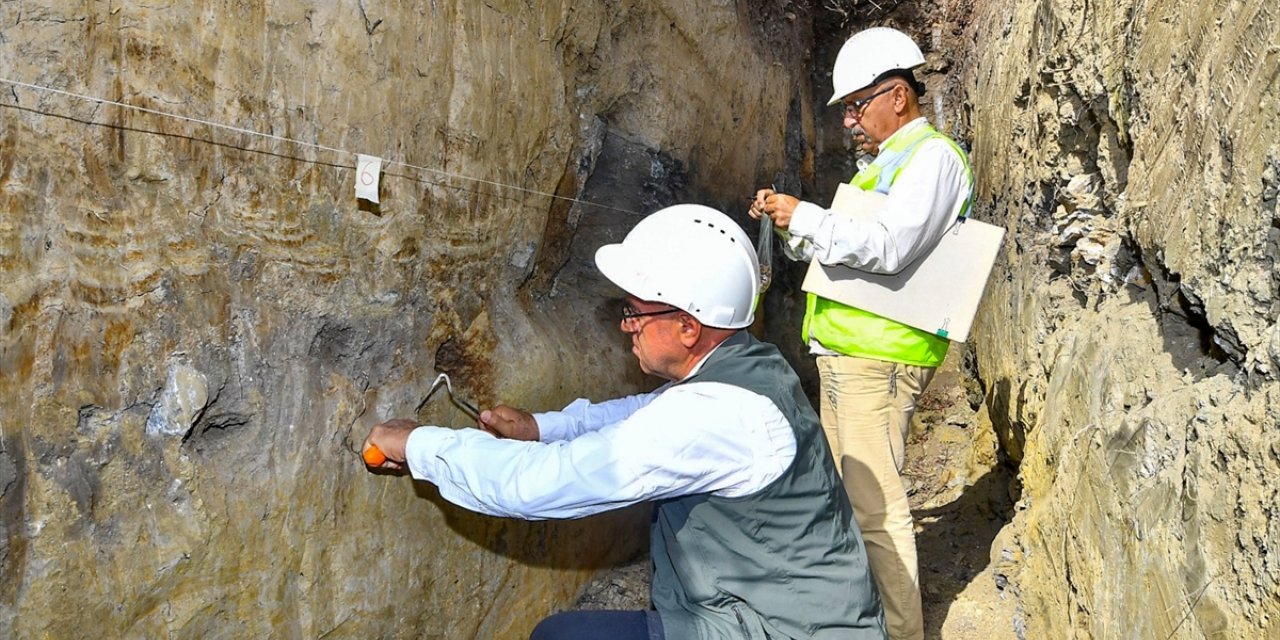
[
  {"x": 630, "y": 313},
  {"x": 854, "y": 108}
]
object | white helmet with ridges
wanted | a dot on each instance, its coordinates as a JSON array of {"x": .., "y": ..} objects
[
  {"x": 691, "y": 257},
  {"x": 869, "y": 55}
]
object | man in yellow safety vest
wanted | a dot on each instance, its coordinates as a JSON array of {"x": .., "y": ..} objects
[{"x": 873, "y": 369}]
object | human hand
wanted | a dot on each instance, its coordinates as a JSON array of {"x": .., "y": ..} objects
[
  {"x": 509, "y": 422},
  {"x": 757, "y": 204},
  {"x": 780, "y": 207},
  {"x": 389, "y": 438}
]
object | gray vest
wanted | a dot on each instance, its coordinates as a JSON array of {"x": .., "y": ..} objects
[{"x": 785, "y": 562}]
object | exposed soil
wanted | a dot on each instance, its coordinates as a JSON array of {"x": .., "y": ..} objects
[
  {"x": 960, "y": 502},
  {"x": 957, "y": 517}
]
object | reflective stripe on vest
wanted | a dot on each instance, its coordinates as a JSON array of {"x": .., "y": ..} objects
[{"x": 863, "y": 334}]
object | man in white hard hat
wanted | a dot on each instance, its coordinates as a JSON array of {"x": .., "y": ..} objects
[
  {"x": 753, "y": 533},
  {"x": 873, "y": 369}
]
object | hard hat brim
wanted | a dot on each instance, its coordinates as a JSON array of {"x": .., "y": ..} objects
[{"x": 616, "y": 264}]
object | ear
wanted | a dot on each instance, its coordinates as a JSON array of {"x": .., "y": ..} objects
[
  {"x": 910, "y": 102},
  {"x": 690, "y": 330}
]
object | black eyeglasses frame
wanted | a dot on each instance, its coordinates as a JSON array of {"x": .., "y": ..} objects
[
  {"x": 854, "y": 109},
  {"x": 630, "y": 313}
]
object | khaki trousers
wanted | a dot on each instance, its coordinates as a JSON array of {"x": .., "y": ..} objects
[{"x": 866, "y": 413}]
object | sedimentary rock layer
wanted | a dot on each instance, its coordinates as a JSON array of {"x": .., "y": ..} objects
[
  {"x": 1128, "y": 343},
  {"x": 197, "y": 325}
]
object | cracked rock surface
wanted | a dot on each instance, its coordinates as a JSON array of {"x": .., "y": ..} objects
[
  {"x": 198, "y": 325},
  {"x": 1126, "y": 340}
]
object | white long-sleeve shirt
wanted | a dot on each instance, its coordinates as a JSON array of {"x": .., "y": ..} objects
[
  {"x": 698, "y": 437},
  {"x": 924, "y": 200}
]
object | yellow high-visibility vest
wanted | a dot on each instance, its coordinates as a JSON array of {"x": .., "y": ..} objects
[{"x": 854, "y": 332}]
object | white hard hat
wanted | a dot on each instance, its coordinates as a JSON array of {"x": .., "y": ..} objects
[
  {"x": 870, "y": 54},
  {"x": 691, "y": 257}
]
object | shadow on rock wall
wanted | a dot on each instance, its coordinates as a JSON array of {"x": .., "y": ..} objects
[{"x": 541, "y": 543}]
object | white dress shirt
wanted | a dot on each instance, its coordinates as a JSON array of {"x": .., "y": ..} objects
[
  {"x": 698, "y": 437},
  {"x": 924, "y": 200},
  {"x": 921, "y": 205}
]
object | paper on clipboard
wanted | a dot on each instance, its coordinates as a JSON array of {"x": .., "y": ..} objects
[{"x": 939, "y": 292}]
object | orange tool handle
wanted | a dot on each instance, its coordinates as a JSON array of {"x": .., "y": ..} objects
[{"x": 374, "y": 457}]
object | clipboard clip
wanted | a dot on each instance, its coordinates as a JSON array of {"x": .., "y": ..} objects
[{"x": 942, "y": 331}]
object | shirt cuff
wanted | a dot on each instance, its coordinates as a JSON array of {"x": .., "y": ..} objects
[
  {"x": 421, "y": 449},
  {"x": 806, "y": 219},
  {"x": 552, "y": 426}
]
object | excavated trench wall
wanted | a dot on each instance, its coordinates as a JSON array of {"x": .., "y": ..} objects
[
  {"x": 1128, "y": 342},
  {"x": 198, "y": 325}
]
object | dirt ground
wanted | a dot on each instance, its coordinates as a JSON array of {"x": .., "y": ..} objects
[{"x": 957, "y": 517}]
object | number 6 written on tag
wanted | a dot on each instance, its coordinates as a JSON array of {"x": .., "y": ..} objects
[{"x": 368, "y": 168}]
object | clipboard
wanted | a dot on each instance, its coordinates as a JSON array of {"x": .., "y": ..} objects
[{"x": 939, "y": 292}]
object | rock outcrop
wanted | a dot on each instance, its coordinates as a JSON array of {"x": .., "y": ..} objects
[
  {"x": 1128, "y": 341},
  {"x": 198, "y": 324}
]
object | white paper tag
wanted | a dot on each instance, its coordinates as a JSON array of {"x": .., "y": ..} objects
[{"x": 367, "y": 170}]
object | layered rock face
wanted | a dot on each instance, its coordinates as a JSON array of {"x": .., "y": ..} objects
[
  {"x": 1128, "y": 342},
  {"x": 198, "y": 325}
]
